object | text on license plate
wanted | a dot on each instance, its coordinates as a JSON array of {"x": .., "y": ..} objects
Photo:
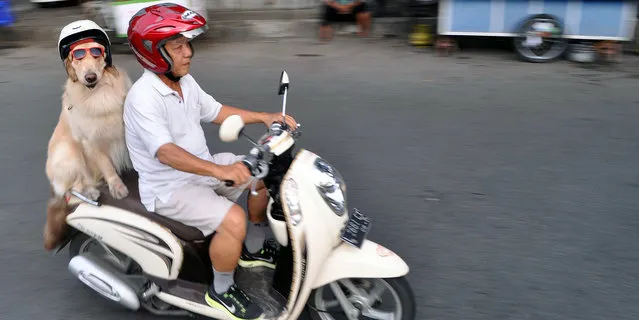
[{"x": 356, "y": 229}]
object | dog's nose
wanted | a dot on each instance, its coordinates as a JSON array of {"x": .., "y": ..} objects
[{"x": 91, "y": 77}]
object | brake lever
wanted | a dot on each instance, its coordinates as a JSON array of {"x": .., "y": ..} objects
[
  {"x": 253, "y": 187},
  {"x": 230, "y": 183}
]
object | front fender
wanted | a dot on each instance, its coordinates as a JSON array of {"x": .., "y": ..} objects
[{"x": 371, "y": 261}]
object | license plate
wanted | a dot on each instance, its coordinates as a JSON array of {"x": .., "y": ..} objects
[{"x": 357, "y": 229}]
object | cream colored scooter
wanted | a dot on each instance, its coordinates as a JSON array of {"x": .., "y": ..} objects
[{"x": 327, "y": 267}]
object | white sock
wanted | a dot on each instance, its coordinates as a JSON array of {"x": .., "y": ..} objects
[{"x": 222, "y": 281}]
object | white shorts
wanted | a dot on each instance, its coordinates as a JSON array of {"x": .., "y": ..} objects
[{"x": 203, "y": 206}]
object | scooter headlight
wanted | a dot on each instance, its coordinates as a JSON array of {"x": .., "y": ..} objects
[
  {"x": 331, "y": 186},
  {"x": 292, "y": 200}
]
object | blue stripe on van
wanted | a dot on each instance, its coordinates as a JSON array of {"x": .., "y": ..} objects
[
  {"x": 515, "y": 13},
  {"x": 470, "y": 16},
  {"x": 557, "y": 8},
  {"x": 601, "y": 18}
]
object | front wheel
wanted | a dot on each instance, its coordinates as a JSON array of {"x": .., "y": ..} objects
[{"x": 382, "y": 299}]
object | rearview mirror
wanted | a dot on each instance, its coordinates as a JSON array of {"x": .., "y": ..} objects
[
  {"x": 231, "y": 128},
  {"x": 283, "y": 83}
]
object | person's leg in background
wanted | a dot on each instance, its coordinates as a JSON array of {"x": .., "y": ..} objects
[
  {"x": 326, "y": 30},
  {"x": 363, "y": 16}
]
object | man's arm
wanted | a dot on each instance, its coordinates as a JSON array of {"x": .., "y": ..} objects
[
  {"x": 177, "y": 158},
  {"x": 248, "y": 116},
  {"x": 180, "y": 159},
  {"x": 213, "y": 111}
]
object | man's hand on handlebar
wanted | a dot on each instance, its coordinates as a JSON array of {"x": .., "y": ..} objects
[
  {"x": 236, "y": 173},
  {"x": 269, "y": 118}
]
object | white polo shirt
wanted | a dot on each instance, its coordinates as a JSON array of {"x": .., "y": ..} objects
[{"x": 154, "y": 115}]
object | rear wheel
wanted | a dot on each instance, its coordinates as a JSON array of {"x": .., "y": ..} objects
[
  {"x": 128, "y": 269},
  {"x": 349, "y": 299},
  {"x": 82, "y": 244}
]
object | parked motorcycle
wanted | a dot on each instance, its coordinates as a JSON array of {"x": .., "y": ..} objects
[{"x": 327, "y": 267}]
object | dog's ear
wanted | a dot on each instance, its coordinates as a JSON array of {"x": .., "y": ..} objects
[
  {"x": 112, "y": 70},
  {"x": 70, "y": 70}
]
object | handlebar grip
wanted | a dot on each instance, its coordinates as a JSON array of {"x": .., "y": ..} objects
[
  {"x": 278, "y": 125},
  {"x": 250, "y": 162}
]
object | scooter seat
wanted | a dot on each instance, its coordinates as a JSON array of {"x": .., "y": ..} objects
[{"x": 133, "y": 204}]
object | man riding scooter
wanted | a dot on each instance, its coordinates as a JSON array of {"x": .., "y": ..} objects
[{"x": 178, "y": 176}]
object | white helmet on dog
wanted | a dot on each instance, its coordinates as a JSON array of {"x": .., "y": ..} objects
[{"x": 81, "y": 30}]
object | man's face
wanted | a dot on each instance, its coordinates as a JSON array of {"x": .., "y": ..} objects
[{"x": 180, "y": 52}]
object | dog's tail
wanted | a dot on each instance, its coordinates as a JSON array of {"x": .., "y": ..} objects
[{"x": 56, "y": 224}]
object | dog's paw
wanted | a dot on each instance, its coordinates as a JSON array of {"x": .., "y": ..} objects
[
  {"x": 92, "y": 193},
  {"x": 118, "y": 190}
]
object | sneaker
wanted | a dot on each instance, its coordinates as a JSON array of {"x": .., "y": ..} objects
[
  {"x": 235, "y": 303},
  {"x": 267, "y": 257}
]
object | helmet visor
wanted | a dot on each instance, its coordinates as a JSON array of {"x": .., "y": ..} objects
[{"x": 195, "y": 32}]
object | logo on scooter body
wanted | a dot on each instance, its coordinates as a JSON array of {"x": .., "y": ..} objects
[{"x": 384, "y": 252}]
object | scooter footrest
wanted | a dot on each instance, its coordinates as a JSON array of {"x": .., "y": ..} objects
[{"x": 256, "y": 282}]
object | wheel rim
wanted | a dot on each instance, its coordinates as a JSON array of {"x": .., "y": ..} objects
[
  {"x": 361, "y": 298},
  {"x": 550, "y": 48}
]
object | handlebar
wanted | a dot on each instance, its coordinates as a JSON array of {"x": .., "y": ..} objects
[{"x": 252, "y": 162}]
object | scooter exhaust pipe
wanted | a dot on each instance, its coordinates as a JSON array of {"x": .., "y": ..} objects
[{"x": 104, "y": 280}]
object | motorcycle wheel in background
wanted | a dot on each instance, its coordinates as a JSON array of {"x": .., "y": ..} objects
[{"x": 540, "y": 39}]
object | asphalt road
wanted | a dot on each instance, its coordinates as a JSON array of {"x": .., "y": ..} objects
[{"x": 510, "y": 188}]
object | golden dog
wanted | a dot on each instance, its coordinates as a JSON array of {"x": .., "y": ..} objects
[{"x": 87, "y": 146}]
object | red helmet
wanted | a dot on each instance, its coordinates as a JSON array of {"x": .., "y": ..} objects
[{"x": 151, "y": 27}]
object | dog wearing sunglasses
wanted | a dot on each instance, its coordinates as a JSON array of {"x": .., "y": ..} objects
[{"x": 87, "y": 147}]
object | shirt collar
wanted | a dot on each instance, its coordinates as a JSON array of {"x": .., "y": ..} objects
[{"x": 157, "y": 83}]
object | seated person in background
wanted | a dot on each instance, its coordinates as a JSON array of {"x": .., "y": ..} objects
[{"x": 345, "y": 10}]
